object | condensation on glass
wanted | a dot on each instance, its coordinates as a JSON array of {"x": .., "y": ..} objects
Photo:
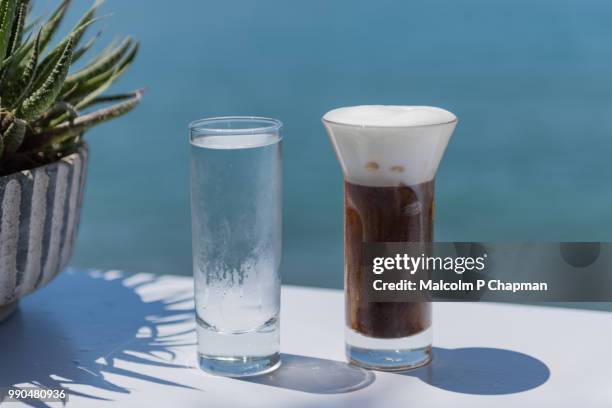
[{"x": 236, "y": 187}]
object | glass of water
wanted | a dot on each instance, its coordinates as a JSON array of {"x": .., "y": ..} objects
[{"x": 236, "y": 187}]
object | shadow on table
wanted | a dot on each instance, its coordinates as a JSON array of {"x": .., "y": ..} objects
[
  {"x": 75, "y": 331},
  {"x": 315, "y": 376},
  {"x": 483, "y": 371}
]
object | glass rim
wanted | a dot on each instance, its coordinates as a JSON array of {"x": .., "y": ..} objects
[{"x": 206, "y": 126}]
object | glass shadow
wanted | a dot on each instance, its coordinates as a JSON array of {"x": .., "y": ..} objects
[
  {"x": 482, "y": 371},
  {"x": 315, "y": 376}
]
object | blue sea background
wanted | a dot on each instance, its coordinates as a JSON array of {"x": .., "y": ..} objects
[{"x": 531, "y": 82}]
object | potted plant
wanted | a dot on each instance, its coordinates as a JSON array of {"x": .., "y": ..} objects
[{"x": 46, "y": 105}]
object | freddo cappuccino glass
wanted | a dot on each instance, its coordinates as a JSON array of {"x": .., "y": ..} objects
[{"x": 389, "y": 156}]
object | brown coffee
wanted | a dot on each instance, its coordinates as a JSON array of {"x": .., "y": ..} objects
[{"x": 384, "y": 214}]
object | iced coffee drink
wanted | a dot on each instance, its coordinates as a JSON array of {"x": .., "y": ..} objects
[{"x": 389, "y": 156}]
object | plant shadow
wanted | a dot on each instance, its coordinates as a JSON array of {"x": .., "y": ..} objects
[
  {"x": 482, "y": 371},
  {"x": 315, "y": 376},
  {"x": 75, "y": 330}
]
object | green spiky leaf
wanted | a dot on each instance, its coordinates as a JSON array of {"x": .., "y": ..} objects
[
  {"x": 44, "y": 97},
  {"x": 29, "y": 72},
  {"x": 101, "y": 66},
  {"x": 7, "y": 16},
  {"x": 13, "y": 137},
  {"x": 78, "y": 54},
  {"x": 82, "y": 123},
  {"x": 52, "y": 58},
  {"x": 111, "y": 98},
  {"x": 51, "y": 26},
  {"x": 29, "y": 26},
  {"x": 91, "y": 96},
  {"x": 82, "y": 89},
  {"x": 17, "y": 31},
  {"x": 20, "y": 83},
  {"x": 19, "y": 55},
  {"x": 85, "y": 21}
]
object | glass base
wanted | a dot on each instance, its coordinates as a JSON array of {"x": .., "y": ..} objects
[
  {"x": 239, "y": 366},
  {"x": 239, "y": 354},
  {"x": 398, "y": 354},
  {"x": 386, "y": 360}
]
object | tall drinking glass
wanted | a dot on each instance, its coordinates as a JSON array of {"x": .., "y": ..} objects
[
  {"x": 236, "y": 177},
  {"x": 389, "y": 156}
]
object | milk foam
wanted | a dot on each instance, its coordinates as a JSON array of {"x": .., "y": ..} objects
[
  {"x": 386, "y": 146},
  {"x": 390, "y": 116}
]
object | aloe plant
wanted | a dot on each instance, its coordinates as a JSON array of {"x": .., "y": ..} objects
[{"x": 45, "y": 104}]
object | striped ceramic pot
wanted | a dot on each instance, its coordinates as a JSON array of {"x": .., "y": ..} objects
[{"x": 39, "y": 218}]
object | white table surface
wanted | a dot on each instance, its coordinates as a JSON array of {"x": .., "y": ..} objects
[{"x": 129, "y": 339}]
